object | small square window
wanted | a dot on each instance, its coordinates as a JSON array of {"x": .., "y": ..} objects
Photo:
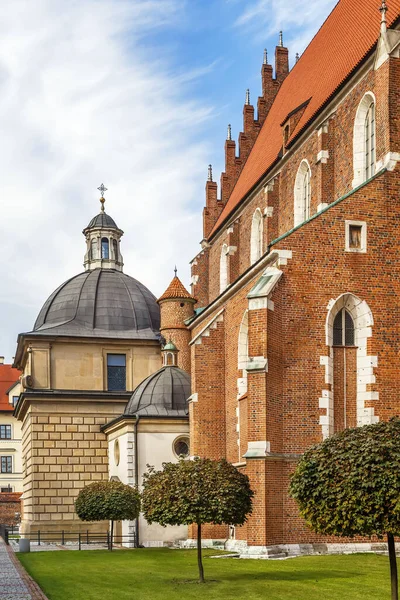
[{"x": 356, "y": 236}]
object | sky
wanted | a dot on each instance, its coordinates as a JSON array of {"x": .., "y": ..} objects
[{"x": 135, "y": 94}]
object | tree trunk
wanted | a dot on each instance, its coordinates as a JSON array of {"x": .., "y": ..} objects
[
  {"x": 112, "y": 535},
  {"x": 393, "y": 567},
  {"x": 199, "y": 558}
]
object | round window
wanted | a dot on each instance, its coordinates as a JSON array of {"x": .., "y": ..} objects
[
  {"x": 116, "y": 452},
  {"x": 181, "y": 447}
]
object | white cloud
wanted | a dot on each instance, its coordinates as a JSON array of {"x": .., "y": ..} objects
[
  {"x": 265, "y": 18},
  {"x": 82, "y": 101}
]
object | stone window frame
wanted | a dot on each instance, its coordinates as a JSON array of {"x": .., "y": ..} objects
[
  {"x": 184, "y": 438},
  {"x": 223, "y": 269},
  {"x": 7, "y": 425},
  {"x": 363, "y": 247},
  {"x": 302, "y": 193},
  {"x": 363, "y": 323},
  {"x": 256, "y": 236},
  {"x": 10, "y": 456},
  {"x": 359, "y": 139}
]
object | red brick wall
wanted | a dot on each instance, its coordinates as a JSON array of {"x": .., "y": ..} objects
[
  {"x": 282, "y": 404},
  {"x": 10, "y": 504}
]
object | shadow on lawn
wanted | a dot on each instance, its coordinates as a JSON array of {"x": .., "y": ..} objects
[{"x": 314, "y": 575}]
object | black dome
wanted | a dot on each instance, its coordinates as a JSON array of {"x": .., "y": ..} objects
[
  {"x": 102, "y": 303},
  {"x": 102, "y": 220},
  {"x": 165, "y": 392}
]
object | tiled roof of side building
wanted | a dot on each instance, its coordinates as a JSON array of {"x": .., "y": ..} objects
[
  {"x": 8, "y": 376},
  {"x": 344, "y": 40},
  {"x": 176, "y": 289}
]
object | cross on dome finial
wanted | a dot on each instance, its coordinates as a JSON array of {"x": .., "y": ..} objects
[
  {"x": 102, "y": 189},
  {"x": 383, "y": 10},
  {"x": 265, "y": 59}
]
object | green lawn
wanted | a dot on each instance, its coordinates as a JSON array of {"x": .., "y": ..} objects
[{"x": 163, "y": 574}]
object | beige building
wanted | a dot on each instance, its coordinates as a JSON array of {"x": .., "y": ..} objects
[
  {"x": 95, "y": 340},
  {"x": 10, "y": 430}
]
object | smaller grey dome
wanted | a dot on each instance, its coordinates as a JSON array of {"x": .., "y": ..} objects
[
  {"x": 102, "y": 220},
  {"x": 164, "y": 393}
]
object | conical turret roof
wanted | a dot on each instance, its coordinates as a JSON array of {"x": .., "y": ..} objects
[{"x": 176, "y": 289}]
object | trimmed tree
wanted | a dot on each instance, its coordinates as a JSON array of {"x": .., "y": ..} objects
[
  {"x": 196, "y": 491},
  {"x": 108, "y": 501},
  {"x": 350, "y": 485}
]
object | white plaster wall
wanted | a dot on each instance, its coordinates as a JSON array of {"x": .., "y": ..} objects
[{"x": 154, "y": 449}]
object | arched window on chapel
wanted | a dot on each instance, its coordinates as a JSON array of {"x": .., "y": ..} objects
[
  {"x": 302, "y": 193},
  {"x": 256, "y": 246},
  {"x": 105, "y": 250}
]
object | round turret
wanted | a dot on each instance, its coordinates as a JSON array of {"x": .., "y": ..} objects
[{"x": 176, "y": 307}]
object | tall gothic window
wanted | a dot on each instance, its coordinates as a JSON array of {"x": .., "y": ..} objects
[
  {"x": 302, "y": 193},
  {"x": 105, "y": 250},
  {"x": 223, "y": 269},
  {"x": 369, "y": 132},
  {"x": 256, "y": 246},
  {"x": 343, "y": 329},
  {"x": 364, "y": 140}
]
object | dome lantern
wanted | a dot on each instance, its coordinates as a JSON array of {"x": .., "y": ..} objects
[
  {"x": 170, "y": 354},
  {"x": 103, "y": 238}
]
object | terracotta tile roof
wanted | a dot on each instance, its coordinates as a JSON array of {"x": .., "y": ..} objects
[
  {"x": 8, "y": 376},
  {"x": 346, "y": 37},
  {"x": 176, "y": 289}
]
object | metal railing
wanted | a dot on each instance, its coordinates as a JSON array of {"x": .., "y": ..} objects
[
  {"x": 4, "y": 533},
  {"x": 80, "y": 538}
]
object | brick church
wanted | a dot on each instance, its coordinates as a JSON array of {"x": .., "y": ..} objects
[{"x": 296, "y": 331}]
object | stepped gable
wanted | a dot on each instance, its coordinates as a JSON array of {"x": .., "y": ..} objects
[
  {"x": 344, "y": 40},
  {"x": 176, "y": 289}
]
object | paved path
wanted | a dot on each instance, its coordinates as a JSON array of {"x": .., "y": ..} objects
[{"x": 15, "y": 583}]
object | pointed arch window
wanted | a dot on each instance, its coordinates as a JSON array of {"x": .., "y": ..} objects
[
  {"x": 223, "y": 269},
  {"x": 256, "y": 246},
  {"x": 302, "y": 193},
  {"x": 105, "y": 248},
  {"x": 93, "y": 249},
  {"x": 343, "y": 329},
  {"x": 364, "y": 140},
  {"x": 369, "y": 135}
]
